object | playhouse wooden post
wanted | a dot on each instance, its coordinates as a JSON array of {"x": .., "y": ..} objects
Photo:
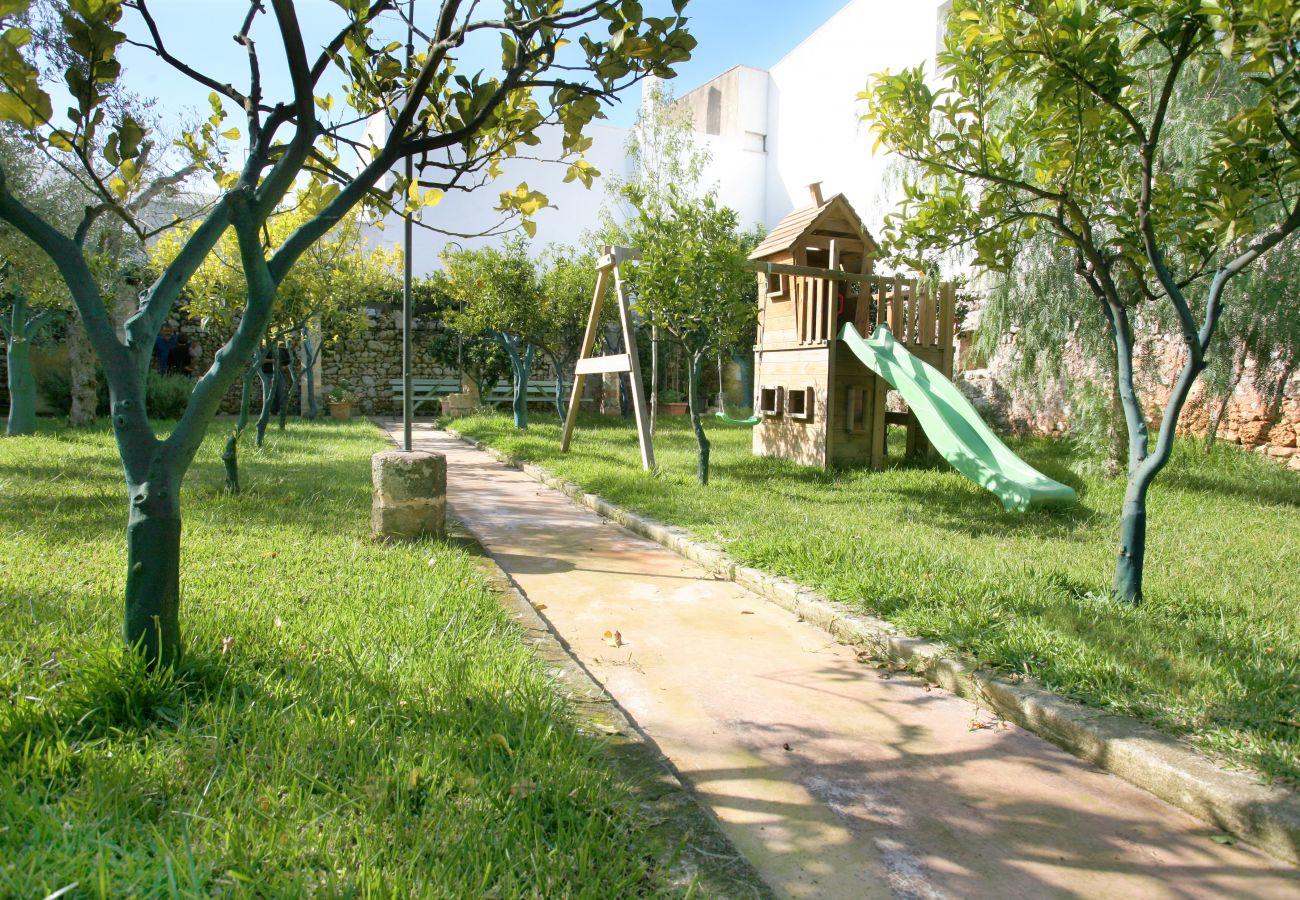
[
  {"x": 879, "y": 429},
  {"x": 628, "y": 361},
  {"x": 947, "y": 310}
]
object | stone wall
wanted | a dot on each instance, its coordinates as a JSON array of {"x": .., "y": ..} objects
[
  {"x": 1249, "y": 420},
  {"x": 364, "y": 364}
]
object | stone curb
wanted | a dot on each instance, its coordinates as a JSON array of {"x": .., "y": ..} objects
[
  {"x": 692, "y": 845},
  {"x": 1265, "y": 816}
]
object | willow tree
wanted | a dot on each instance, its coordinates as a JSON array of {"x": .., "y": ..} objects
[
  {"x": 558, "y": 63},
  {"x": 691, "y": 283},
  {"x": 1052, "y": 117}
]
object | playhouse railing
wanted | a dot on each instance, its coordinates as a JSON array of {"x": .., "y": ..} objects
[{"x": 919, "y": 313}]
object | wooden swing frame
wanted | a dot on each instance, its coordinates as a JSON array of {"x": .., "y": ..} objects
[{"x": 629, "y": 361}]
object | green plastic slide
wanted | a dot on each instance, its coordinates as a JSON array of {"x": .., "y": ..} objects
[{"x": 953, "y": 426}]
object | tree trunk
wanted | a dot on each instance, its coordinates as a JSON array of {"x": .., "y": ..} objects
[
  {"x": 309, "y": 367},
  {"x": 153, "y": 541},
  {"x": 1143, "y": 466},
  {"x": 693, "y": 398},
  {"x": 519, "y": 405},
  {"x": 268, "y": 388},
  {"x": 1132, "y": 540},
  {"x": 280, "y": 389},
  {"x": 81, "y": 375},
  {"x": 1216, "y": 420},
  {"x": 520, "y": 365},
  {"x": 22, "y": 384},
  {"x": 654, "y": 378},
  {"x": 1116, "y": 439},
  {"x": 230, "y": 457},
  {"x": 561, "y": 404}
]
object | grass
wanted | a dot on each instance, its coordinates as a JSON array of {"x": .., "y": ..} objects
[
  {"x": 1213, "y": 654},
  {"x": 351, "y": 719}
]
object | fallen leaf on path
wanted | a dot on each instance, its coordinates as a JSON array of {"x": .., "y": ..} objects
[
  {"x": 539, "y": 606},
  {"x": 613, "y": 638},
  {"x": 786, "y": 747},
  {"x": 1223, "y": 839},
  {"x": 746, "y": 612}
]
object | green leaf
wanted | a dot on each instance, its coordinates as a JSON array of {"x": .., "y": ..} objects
[{"x": 130, "y": 134}]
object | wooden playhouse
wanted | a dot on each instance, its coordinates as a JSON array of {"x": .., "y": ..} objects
[{"x": 818, "y": 404}]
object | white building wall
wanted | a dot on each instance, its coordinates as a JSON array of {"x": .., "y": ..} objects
[
  {"x": 574, "y": 209},
  {"x": 781, "y": 129},
  {"x": 815, "y": 132}
]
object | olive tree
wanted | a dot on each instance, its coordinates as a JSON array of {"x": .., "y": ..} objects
[
  {"x": 558, "y": 63},
  {"x": 692, "y": 284},
  {"x": 1052, "y": 117}
]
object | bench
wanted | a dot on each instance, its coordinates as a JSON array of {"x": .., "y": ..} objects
[
  {"x": 538, "y": 392},
  {"x": 425, "y": 390}
]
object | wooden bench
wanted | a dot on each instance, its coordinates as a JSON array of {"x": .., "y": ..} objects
[{"x": 425, "y": 390}]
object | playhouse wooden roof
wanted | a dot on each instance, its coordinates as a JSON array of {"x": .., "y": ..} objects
[{"x": 834, "y": 218}]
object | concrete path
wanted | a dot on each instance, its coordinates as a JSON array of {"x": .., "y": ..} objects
[{"x": 833, "y": 778}]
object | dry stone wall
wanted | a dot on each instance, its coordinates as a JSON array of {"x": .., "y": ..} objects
[
  {"x": 1250, "y": 420},
  {"x": 365, "y": 364}
]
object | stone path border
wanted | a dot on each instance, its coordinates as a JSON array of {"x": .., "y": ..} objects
[
  {"x": 1267, "y": 817},
  {"x": 690, "y": 842}
]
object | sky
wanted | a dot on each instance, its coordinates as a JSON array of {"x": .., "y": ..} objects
[{"x": 729, "y": 32}]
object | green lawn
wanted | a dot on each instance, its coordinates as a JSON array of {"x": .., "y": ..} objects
[
  {"x": 1213, "y": 653},
  {"x": 352, "y": 719}
]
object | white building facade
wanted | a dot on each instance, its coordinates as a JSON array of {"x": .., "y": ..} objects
[{"x": 769, "y": 134}]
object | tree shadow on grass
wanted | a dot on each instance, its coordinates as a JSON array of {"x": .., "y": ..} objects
[
  {"x": 1238, "y": 486},
  {"x": 981, "y": 515}
]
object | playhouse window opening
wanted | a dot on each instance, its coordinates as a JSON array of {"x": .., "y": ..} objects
[
  {"x": 799, "y": 404},
  {"x": 775, "y": 284},
  {"x": 770, "y": 401}
]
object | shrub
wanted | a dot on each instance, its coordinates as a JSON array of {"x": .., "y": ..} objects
[{"x": 165, "y": 395}]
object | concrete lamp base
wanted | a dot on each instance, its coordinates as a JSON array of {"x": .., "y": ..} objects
[{"x": 409, "y": 498}]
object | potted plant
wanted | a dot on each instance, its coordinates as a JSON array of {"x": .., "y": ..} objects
[
  {"x": 340, "y": 403},
  {"x": 672, "y": 403}
]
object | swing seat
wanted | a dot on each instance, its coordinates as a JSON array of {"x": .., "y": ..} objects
[{"x": 749, "y": 423}]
